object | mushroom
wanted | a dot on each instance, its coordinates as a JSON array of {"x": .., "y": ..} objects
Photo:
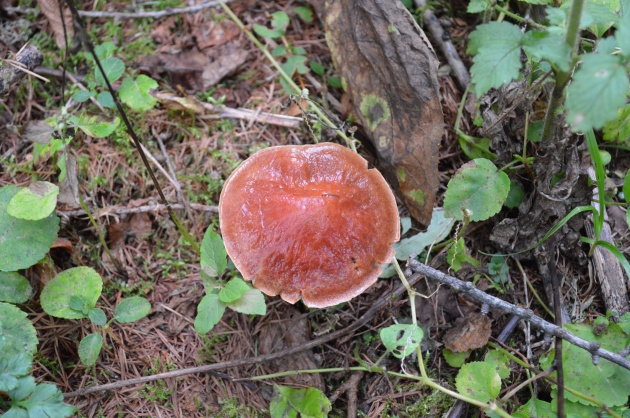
[{"x": 309, "y": 221}]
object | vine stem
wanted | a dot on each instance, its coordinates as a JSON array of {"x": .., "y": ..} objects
[
  {"x": 562, "y": 77},
  {"x": 322, "y": 116}
]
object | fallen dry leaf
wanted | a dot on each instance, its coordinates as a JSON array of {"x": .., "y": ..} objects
[
  {"x": 390, "y": 71},
  {"x": 197, "y": 70},
  {"x": 50, "y": 8},
  {"x": 468, "y": 333}
]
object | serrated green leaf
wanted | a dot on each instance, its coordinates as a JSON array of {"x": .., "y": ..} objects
[
  {"x": 279, "y": 22},
  {"x": 309, "y": 402},
  {"x": 82, "y": 282},
  {"x": 105, "y": 99},
  {"x": 547, "y": 46},
  {"x": 304, "y": 13},
  {"x": 478, "y": 187},
  {"x": 114, "y": 69},
  {"x": 618, "y": 129},
  {"x": 439, "y": 228},
  {"x": 34, "y": 202},
  {"x": 455, "y": 359},
  {"x": 97, "y": 316},
  {"x": 41, "y": 401},
  {"x": 16, "y": 331},
  {"x": 233, "y": 290},
  {"x": 457, "y": 255},
  {"x": 209, "y": 313},
  {"x": 478, "y": 380},
  {"x": 93, "y": 126},
  {"x": 23, "y": 243},
  {"x": 82, "y": 95},
  {"x": 14, "y": 287},
  {"x": 606, "y": 382},
  {"x": 252, "y": 302},
  {"x": 497, "y": 50},
  {"x": 12, "y": 368},
  {"x": 213, "y": 254},
  {"x": 401, "y": 339},
  {"x": 598, "y": 90},
  {"x": 89, "y": 348},
  {"x": 136, "y": 93},
  {"x": 293, "y": 64},
  {"x": 132, "y": 309}
]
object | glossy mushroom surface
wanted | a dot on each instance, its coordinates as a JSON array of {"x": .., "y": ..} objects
[{"x": 309, "y": 221}]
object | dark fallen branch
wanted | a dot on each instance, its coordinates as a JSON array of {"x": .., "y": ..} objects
[
  {"x": 526, "y": 314},
  {"x": 11, "y": 71}
]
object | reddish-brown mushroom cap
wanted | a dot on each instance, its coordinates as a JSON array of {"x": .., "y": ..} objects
[{"x": 309, "y": 221}]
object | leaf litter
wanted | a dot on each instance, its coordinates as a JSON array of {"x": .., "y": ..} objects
[{"x": 148, "y": 247}]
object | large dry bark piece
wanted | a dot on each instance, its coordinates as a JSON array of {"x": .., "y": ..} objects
[
  {"x": 29, "y": 57},
  {"x": 389, "y": 70}
]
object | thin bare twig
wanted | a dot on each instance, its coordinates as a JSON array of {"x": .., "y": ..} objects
[
  {"x": 111, "y": 210},
  {"x": 365, "y": 318},
  {"x": 128, "y": 15}
]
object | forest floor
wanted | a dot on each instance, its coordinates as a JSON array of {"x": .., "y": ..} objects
[{"x": 197, "y": 148}]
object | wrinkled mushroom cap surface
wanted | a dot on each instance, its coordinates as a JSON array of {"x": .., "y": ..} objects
[{"x": 309, "y": 221}]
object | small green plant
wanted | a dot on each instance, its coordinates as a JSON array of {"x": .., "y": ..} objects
[
  {"x": 235, "y": 294},
  {"x": 134, "y": 92},
  {"x": 28, "y": 227},
  {"x": 289, "y": 402},
  {"x": 73, "y": 294},
  {"x": 295, "y": 56}
]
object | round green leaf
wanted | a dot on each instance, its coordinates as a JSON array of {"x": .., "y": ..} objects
[
  {"x": 233, "y": 290},
  {"x": 478, "y": 187},
  {"x": 135, "y": 93},
  {"x": 97, "y": 316},
  {"x": 213, "y": 254},
  {"x": 23, "y": 243},
  {"x": 14, "y": 287},
  {"x": 455, "y": 359},
  {"x": 16, "y": 331},
  {"x": 34, "y": 202},
  {"x": 90, "y": 348},
  {"x": 402, "y": 339},
  {"x": 252, "y": 302},
  {"x": 478, "y": 380},
  {"x": 209, "y": 313},
  {"x": 132, "y": 309},
  {"x": 81, "y": 282},
  {"x": 114, "y": 69}
]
